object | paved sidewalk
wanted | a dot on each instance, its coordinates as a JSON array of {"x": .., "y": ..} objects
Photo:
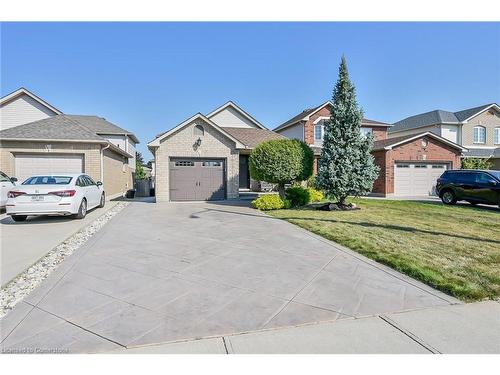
[
  {"x": 23, "y": 243},
  {"x": 472, "y": 328}
]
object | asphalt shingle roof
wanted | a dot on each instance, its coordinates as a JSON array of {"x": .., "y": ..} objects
[
  {"x": 251, "y": 137},
  {"x": 482, "y": 152},
  {"x": 59, "y": 127},
  {"x": 100, "y": 125},
  {"x": 436, "y": 117}
]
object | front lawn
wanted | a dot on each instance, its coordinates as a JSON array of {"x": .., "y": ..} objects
[{"x": 455, "y": 249}]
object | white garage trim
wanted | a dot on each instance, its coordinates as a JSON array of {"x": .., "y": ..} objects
[
  {"x": 417, "y": 178},
  {"x": 27, "y": 165}
]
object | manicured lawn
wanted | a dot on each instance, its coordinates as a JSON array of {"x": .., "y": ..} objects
[{"x": 455, "y": 249}]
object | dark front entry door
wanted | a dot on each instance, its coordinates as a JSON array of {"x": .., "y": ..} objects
[
  {"x": 197, "y": 179},
  {"x": 244, "y": 172}
]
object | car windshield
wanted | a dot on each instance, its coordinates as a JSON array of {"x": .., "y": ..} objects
[
  {"x": 4, "y": 177},
  {"x": 495, "y": 173},
  {"x": 48, "y": 180}
]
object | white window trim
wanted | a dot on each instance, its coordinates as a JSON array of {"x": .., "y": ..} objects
[
  {"x": 321, "y": 118},
  {"x": 322, "y": 132},
  {"x": 474, "y": 135},
  {"x": 496, "y": 135}
]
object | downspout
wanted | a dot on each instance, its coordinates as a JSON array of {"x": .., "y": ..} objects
[{"x": 102, "y": 161}]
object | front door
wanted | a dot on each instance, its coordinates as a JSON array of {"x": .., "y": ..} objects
[
  {"x": 244, "y": 172},
  {"x": 197, "y": 179}
]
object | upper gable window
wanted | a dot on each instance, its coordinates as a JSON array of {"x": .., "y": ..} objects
[
  {"x": 497, "y": 136},
  {"x": 479, "y": 134},
  {"x": 199, "y": 130},
  {"x": 319, "y": 130}
]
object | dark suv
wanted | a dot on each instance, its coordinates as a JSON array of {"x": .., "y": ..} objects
[{"x": 473, "y": 186}]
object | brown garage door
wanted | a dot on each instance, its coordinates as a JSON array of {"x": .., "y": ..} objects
[{"x": 197, "y": 179}]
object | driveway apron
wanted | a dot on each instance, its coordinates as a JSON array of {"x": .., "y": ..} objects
[{"x": 177, "y": 271}]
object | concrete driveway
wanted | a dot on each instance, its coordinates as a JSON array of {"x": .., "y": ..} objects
[
  {"x": 166, "y": 272},
  {"x": 23, "y": 243}
]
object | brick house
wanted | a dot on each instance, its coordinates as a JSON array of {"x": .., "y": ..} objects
[
  {"x": 408, "y": 165},
  {"x": 206, "y": 156},
  {"x": 37, "y": 138}
]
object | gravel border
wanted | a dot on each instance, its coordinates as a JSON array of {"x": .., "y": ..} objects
[{"x": 15, "y": 291}]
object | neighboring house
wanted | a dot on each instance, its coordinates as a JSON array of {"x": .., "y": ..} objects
[
  {"x": 60, "y": 143},
  {"x": 309, "y": 126},
  {"x": 409, "y": 165},
  {"x": 206, "y": 157},
  {"x": 21, "y": 107},
  {"x": 477, "y": 129}
]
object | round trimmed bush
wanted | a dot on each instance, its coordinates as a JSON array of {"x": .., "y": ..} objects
[{"x": 270, "y": 202}]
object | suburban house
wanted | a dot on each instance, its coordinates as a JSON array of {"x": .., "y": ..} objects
[
  {"x": 409, "y": 165},
  {"x": 476, "y": 129},
  {"x": 36, "y": 138},
  {"x": 206, "y": 156}
]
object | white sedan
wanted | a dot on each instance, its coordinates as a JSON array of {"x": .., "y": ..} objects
[
  {"x": 58, "y": 194},
  {"x": 6, "y": 184}
]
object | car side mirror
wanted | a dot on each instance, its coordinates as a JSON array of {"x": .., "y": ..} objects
[
  {"x": 98, "y": 183},
  {"x": 492, "y": 183},
  {"x": 13, "y": 179}
]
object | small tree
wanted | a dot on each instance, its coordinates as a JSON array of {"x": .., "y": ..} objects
[
  {"x": 139, "y": 170},
  {"x": 281, "y": 162},
  {"x": 476, "y": 163},
  {"x": 346, "y": 166}
]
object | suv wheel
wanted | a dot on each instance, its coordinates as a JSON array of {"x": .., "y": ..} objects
[
  {"x": 448, "y": 197},
  {"x": 103, "y": 201}
]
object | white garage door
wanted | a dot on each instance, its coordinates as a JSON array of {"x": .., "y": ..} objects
[
  {"x": 416, "y": 179},
  {"x": 33, "y": 164}
]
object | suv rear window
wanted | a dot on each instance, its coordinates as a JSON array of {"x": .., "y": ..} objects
[{"x": 460, "y": 176}]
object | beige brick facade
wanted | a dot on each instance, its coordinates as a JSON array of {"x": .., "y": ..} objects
[
  {"x": 116, "y": 177},
  {"x": 117, "y": 174},
  {"x": 181, "y": 144}
]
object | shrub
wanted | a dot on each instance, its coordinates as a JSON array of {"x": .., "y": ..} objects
[
  {"x": 270, "y": 202},
  {"x": 315, "y": 195},
  {"x": 281, "y": 161},
  {"x": 311, "y": 182},
  {"x": 476, "y": 163},
  {"x": 297, "y": 195}
]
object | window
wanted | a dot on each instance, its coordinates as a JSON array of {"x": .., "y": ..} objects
[
  {"x": 212, "y": 163},
  {"x": 89, "y": 180},
  {"x": 3, "y": 177},
  {"x": 48, "y": 180},
  {"x": 198, "y": 130},
  {"x": 184, "y": 163},
  {"x": 479, "y": 134},
  {"x": 438, "y": 166},
  {"x": 402, "y": 166},
  {"x": 365, "y": 131},
  {"x": 483, "y": 178},
  {"x": 497, "y": 136},
  {"x": 318, "y": 132},
  {"x": 420, "y": 166}
]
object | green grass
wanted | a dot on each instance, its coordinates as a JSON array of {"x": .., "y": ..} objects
[{"x": 455, "y": 249}]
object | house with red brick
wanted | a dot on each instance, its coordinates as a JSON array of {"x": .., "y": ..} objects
[{"x": 409, "y": 165}]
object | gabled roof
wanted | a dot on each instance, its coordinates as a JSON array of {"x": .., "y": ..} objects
[
  {"x": 389, "y": 143},
  {"x": 100, "y": 125},
  {"x": 439, "y": 116},
  {"x": 23, "y": 91},
  {"x": 307, "y": 113},
  {"x": 483, "y": 153},
  {"x": 239, "y": 110},
  {"x": 156, "y": 142},
  {"x": 251, "y": 137}
]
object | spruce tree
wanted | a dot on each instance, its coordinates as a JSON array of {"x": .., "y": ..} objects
[{"x": 346, "y": 166}]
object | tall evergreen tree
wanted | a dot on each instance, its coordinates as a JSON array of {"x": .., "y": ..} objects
[{"x": 346, "y": 166}]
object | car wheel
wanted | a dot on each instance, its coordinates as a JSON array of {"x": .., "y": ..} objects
[
  {"x": 103, "y": 201},
  {"x": 448, "y": 197},
  {"x": 82, "y": 211},
  {"x": 19, "y": 217}
]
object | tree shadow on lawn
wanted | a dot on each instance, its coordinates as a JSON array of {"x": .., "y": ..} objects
[
  {"x": 394, "y": 227},
  {"x": 479, "y": 207}
]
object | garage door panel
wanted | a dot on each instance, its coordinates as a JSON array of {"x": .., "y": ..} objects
[
  {"x": 196, "y": 179},
  {"x": 414, "y": 179},
  {"x": 27, "y": 165}
]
